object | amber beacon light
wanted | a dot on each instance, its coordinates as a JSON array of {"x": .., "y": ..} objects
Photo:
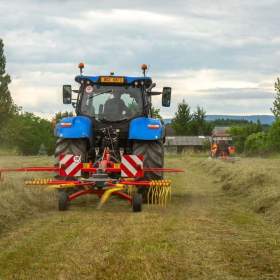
[
  {"x": 144, "y": 68},
  {"x": 81, "y": 67}
]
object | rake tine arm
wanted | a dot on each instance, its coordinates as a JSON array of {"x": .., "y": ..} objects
[{"x": 31, "y": 169}]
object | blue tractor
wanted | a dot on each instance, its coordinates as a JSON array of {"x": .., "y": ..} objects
[{"x": 115, "y": 112}]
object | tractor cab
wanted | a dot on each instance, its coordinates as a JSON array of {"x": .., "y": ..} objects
[{"x": 114, "y": 98}]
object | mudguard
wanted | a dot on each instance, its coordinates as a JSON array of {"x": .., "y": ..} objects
[
  {"x": 144, "y": 128},
  {"x": 74, "y": 127}
]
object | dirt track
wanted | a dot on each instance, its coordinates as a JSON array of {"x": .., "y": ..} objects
[{"x": 204, "y": 233}]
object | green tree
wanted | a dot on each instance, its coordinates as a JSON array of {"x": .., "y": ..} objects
[
  {"x": 274, "y": 136},
  {"x": 241, "y": 132},
  {"x": 229, "y": 122},
  {"x": 182, "y": 121},
  {"x": 199, "y": 119},
  {"x": 7, "y": 107},
  {"x": 27, "y": 132},
  {"x": 199, "y": 125},
  {"x": 42, "y": 150},
  {"x": 60, "y": 115},
  {"x": 256, "y": 144},
  {"x": 276, "y": 104},
  {"x": 155, "y": 113}
]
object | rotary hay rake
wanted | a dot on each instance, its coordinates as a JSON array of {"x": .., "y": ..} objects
[{"x": 104, "y": 178}]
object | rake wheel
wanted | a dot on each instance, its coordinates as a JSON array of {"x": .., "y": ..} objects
[
  {"x": 137, "y": 202},
  {"x": 63, "y": 202}
]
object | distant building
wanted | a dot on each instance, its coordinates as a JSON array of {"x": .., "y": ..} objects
[
  {"x": 169, "y": 131},
  {"x": 178, "y": 144},
  {"x": 221, "y": 131}
]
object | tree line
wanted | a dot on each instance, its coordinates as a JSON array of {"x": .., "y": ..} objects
[
  {"x": 260, "y": 140},
  {"x": 248, "y": 137},
  {"x": 192, "y": 124},
  {"x": 20, "y": 130}
]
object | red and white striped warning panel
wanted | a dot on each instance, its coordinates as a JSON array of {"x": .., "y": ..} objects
[
  {"x": 70, "y": 165},
  {"x": 132, "y": 166}
]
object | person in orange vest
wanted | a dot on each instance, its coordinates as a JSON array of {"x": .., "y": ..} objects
[
  {"x": 214, "y": 149},
  {"x": 231, "y": 150}
]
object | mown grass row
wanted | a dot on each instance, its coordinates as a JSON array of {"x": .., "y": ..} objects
[
  {"x": 16, "y": 201},
  {"x": 254, "y": 181}
]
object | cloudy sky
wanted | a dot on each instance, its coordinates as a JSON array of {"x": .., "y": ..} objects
[{"x": 222, "y": 55}]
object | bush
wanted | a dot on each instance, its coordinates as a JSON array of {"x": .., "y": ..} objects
[
  {"x": 256, "y": 144},
  {"x": 274, "y": 136},
  {"x": 262, "y": 143},
  {"x": 241, "y": 133},
  {"x": 27, "y": 133}
]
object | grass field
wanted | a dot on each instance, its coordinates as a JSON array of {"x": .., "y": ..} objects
[{"x": 222, "y": 223}]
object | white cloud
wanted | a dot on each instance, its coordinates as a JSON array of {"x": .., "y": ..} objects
[
  {"x": 197, "y": 47},
  {"x": 96, "y": 19}
]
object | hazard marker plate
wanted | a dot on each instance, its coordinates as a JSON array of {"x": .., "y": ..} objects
[
  {"x": 132, "y": 166},
  {"x": 70, "y": 165}
]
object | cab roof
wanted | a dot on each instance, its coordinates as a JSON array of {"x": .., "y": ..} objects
[{"x": 127, "y": 80}]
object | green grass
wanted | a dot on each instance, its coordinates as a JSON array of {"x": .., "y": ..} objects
[
  {"x": 18, "y": 202},
  {"x": 206, "y": 232},
  {"x": 253, "y": 181},
  {"x": 7, "y": 152}
]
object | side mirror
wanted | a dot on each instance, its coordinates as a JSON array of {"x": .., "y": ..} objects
[
  {"x": 67, "y": 94},
  {"x": 166, "y": 96}
]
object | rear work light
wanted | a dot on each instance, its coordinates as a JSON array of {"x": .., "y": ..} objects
[
  {"x": 153, "y": 126},
  {"x": 65, "y": 124}
]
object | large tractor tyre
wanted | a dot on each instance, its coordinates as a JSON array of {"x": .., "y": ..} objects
[
  {"x": 153, "y": 153},
  {"x": 70, "y": 146}
]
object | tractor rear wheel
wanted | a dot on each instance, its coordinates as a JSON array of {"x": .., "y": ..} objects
[
  {"x": 73, "y": 147},
  {"x": 153, "y": 153}
]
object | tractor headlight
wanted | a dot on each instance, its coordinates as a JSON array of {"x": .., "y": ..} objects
[{"x": 153, "y": 126}]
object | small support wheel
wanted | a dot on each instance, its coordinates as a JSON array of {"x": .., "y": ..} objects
[
  {"x": 63, "y": 202},
  {"x": 137, "y": 201}
]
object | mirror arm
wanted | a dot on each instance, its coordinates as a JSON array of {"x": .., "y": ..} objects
[
  {"x": 155, "y": 93},
  {"x": 146, "y": 108},
  {"x": 151, "y": 87}
]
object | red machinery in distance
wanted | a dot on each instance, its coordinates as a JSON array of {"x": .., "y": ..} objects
[{"x": 221, "y": 143}]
